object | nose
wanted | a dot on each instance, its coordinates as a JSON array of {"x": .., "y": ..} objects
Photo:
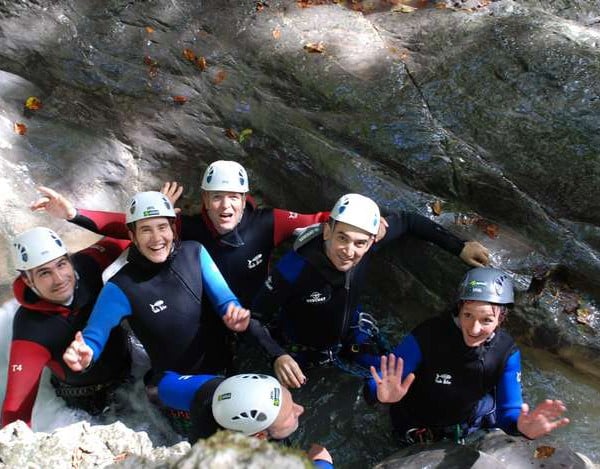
[
  {"x": 57, "y": 275},
  {"x": 475, "y": 328},
  {"x": 348, "y": 251},
  {"x": 299, "y": 410}
]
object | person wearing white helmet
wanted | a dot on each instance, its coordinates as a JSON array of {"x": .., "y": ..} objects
[
  {"x": 239, "y": 236},
  {"x": 56, "y": 292},
  {"x": 314, "y": 290},
  {"x": 159, "y": 291},
  {"x": 256, "y": 405},
  {"x": 460, "y": 372}
]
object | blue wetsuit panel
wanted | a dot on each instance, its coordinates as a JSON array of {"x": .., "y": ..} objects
[
  {"x": 509, "y": 394},
  {"x": 214, "y": 284},
  {"x": 177, "y": 391},
  {"x": 110, "y": 309}
]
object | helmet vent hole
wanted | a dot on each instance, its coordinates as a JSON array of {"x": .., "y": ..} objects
[
  {"x": 244, "y": 414},
  {"x": 261, "y": 417}
]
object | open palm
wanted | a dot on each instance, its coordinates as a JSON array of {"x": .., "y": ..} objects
[{"x": 390, "y": 387}]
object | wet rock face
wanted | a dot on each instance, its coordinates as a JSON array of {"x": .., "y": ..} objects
[{"x": 491, "y": 108}]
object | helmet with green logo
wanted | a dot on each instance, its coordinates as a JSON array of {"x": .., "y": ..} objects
[
  {"x": 227, "y": 176},
  {"x": 357, "y": 210},
  {"x": 148, "y": 205},
  {"x": 247, "y": 403},
  {"x": 487, "y": 284},
  {"x": 36, "y": 247}
]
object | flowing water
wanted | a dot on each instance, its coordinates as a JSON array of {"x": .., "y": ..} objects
[{"x": 336, "y": 416}]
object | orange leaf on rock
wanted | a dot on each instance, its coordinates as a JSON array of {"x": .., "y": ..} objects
[
  {"x": 33, "y": 104},
  {"x": 180, "y": 99},
  {"x": 189, "y": 55},
  {"x": 276, "y": 33},
  {"x": 315, "y": 47},
  {"x": 543, "y": 452},
  {"x": 20, "y": 128},
  {"x": 436, "y": 207},
  {"x": 219, "y": 77},
  {"x": 150, "y": 61},
  {"x": 492, "y": 230},
  {"x": 201, "y": 63},
  {"x": 232, "y": 134},
  {"x": 149, "y": 29},
  {"x": 153, "y": 71}
]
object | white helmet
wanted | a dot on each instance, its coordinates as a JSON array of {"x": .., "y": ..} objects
[
  {"x": 228, "y": 176},
  {"x": 148, "y": 205},
  {"x": 357, "y": 210},
  {"x": 37, "y": 246},
  {"x": 247, "y": 403}
]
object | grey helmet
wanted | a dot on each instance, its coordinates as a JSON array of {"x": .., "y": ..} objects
[{"x": 487, "y": 284}]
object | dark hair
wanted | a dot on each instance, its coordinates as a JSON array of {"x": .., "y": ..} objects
[{"x": 503, "y": 309}]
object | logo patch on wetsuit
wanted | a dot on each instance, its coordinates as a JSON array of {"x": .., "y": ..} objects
[
  {"x": 269, "y": 283},
  {"x": 158, "y": 306},
  {"x": 317, "y": 297},
  {"x": 224, "y": 397},
  {"x": 443, "y": 378},
  {"x": 256, "y": 260}
]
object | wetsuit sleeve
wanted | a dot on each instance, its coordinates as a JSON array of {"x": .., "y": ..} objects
[
  {"x": 178, "y": 391},
  {"x": 214, "y": 284},
  {"x": 509, "y": 395},
  {"x": 111, "y": 307},
  {"x": 25, "y": 366},
  {"x": 410, "y": 352},
  {"x": 104, "y": 223},
  {"x": 320, "y": 464},
  {"x": 285, "y": 222},
  {"x": 105, "y": 251},
  {"x": 412, "y": 223}
]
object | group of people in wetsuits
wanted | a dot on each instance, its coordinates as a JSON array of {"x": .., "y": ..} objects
[{"x": 186, "y": 284}]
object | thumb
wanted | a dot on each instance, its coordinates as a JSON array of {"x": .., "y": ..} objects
[
  {"x": 79, "y": 337},
  {"x": 524, "y": 409}
]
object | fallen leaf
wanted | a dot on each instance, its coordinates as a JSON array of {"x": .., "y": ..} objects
[
  {"x": 219, "y": 77},
  {"x": 232, "y": 134},
  {"x": 20, "y": 128},
  {"x": 149, "y": 29},
  {"x": 276, "y": 33},
  {"x": 543, "y": 452},
  {"x": 121, "y": 457},
  {"x": 315, "y": 47},
  {"x": 180, "y": 99},
  {"x": 152, "y": 72},
  {"x": 260, "y": 6},
  {"x": 583, "y": 316},
  {"x": 201, "y": 63},
  {"x": 403, "y": 9},
  {"x": 244, "y": 135},
  {"x": 492, "y": 230},
  {"x": 436, "y": 207},
  {"x": 33, "y": 104},
  {"x": 150, "y": 61},
  {"x": 441, "y": 6},
  {"x": 189, "y": 55}
]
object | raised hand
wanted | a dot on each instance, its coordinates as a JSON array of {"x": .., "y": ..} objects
[
  {"x": 173, "y": 191},
  {"x": 475, "y": 254},
  {"x": 78, "y": 355},
  {"x": 288, "y": 372},
  {"x": 54, "y": 204},
  {"x": 545, "y": 418},
  {"x": 236, "y": 318},
  {"x": 390, "y": 387}
]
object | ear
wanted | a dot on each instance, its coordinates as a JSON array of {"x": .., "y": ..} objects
[
  {"x": 131, "y": 235},
  {"x": 26, "y": 280},
  {"x": 327, "y": 232}
]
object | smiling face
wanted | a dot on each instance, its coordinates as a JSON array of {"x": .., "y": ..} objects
[
  {"x": 286, "y": 422},
  {"x": 53, "y": 281},
  {"x": 154, "y": 238},
  {"x": 224, "y": 209},
  {"x": 478, "y": 321},
  {"x": 345, "y": 245}
]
